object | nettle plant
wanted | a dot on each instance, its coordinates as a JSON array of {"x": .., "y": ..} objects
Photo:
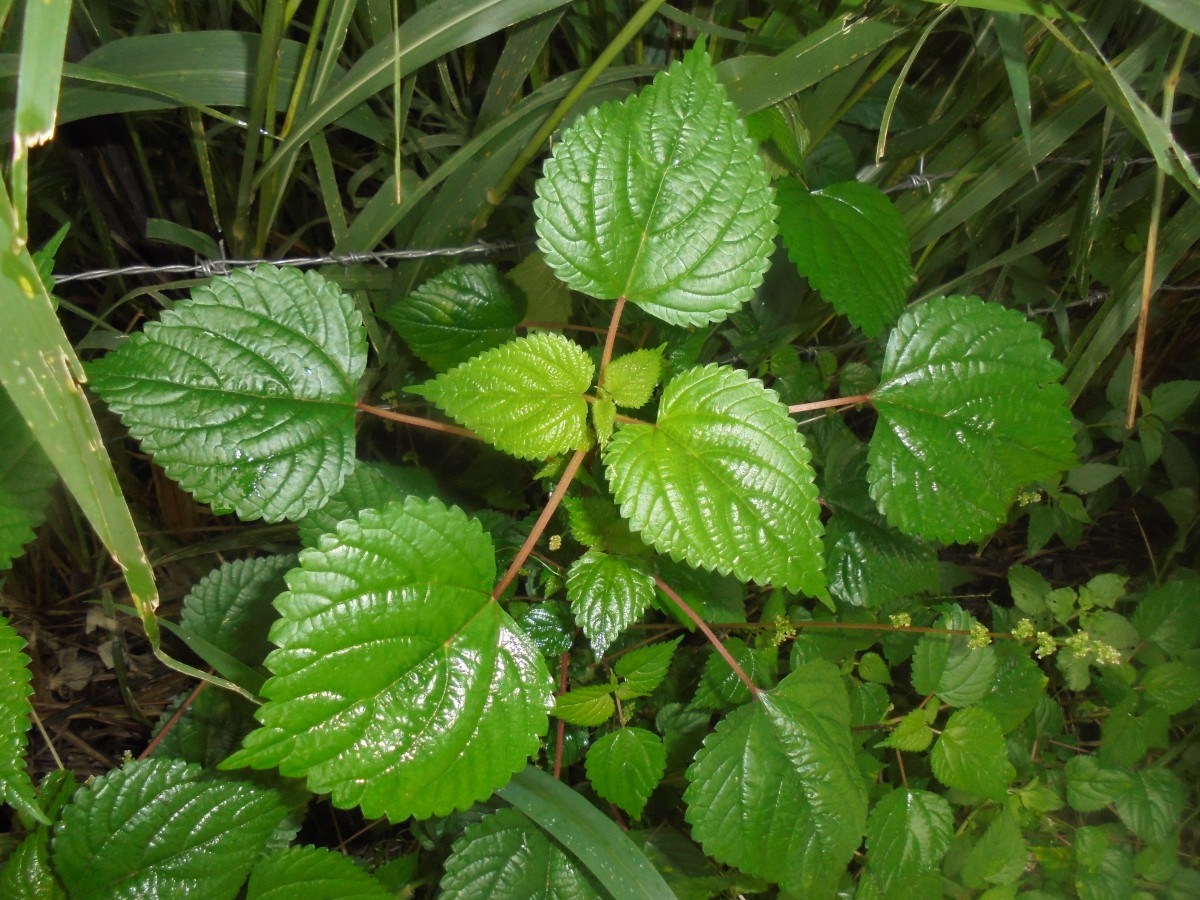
[{"x": 863, "y": 735}]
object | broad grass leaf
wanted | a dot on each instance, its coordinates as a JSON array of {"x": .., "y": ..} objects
[
  {"x": 458, "y": 314},
  {"x": 15, "y": 708},
  {"x": 849, "y": 241},
  {"x": 722, "y": 481},
  {"x": 245, "y": 392},
  {"x": 625, "y": 767},
  {"x": 506, "y": 856},
  {"x": 775, "y": 790},
  {"x": 525, "y": 397},
  {"x": 969, "y": 413},
  {"x": 661, "y": 199},
  {"x": 159, "y": 828},
  {"x": 314, "y": 873},
  {"x": 26, "y": 477},
  {"x": 607, "y": 594},
  {"x": 399, "y": 684}
]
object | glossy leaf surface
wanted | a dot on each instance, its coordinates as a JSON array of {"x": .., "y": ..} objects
[
  {"x": 507, "y": 856},
  {"x": 313, "y": 873},
  {"x": 15, "y": 709},
  {"x": 775, "y": 790},
  {"x": 969, "y": 413},
  {"x": 458, "y": 314},
  {"x": 525, "y": 397},
  {"x": 399, "y": 684},
  {"x": 607, "y": 594},
  {"x": 661, "y": 199},
  {"x": 970, "y": 755},
  {"x": 372, "y": 485},
  {"x": 158, "y": 828},
  {"x": 908, "y": 833},
  {"x": 850, "y": 242},
  {"x": 722, "y": 481},
  {"x": 245, "y": 392},
  {"x": 231, "y": 606}
]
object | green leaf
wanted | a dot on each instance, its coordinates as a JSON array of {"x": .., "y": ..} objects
[
  {"x": 1104, "y": 866},
  {"x": 912, "y": 733},
  {"x": 604, "y": 419},
  {"x": 525, "y": 397},
  {"x": 625, "y": 766},
  {"x": 593, "y": 838},
  {"x": 1029, "y": 590},
  {"x": 399, "y": 684},
  {"x": 631, "y": 379},
  {"x": 945, "y": 665},
  {"x": 970, "y": 755},
  {"x": 643, "y": 669},
  {"x": 969, "y": 413},
  {"x": 662, "y": 199},
  {"x": 314, "y": 873},
  {"x": 607, "y": 594},
  {"x": 873, "y": 669},
  {"x": 775, "y": 790},
  {"x": 596, "y": 523},
  {"x": 15, "y": 708},
  {"x": 1018, "y": 686},
  {"x": 506, "y": 856},
  {"x": 722, "y": 481},
  {"x": 908, "y": 833},
  {"x": 371, "y": 485},
  {"x": 1152, "y": 805},
  {"x": 159, "y": 828},
  {"x": 245, "y": 392},
  {"x": 26, "y": 477},
  {"x": 589, "y": 706},
  {"x": 1167, "y": 616},
  {"x": 849, "y": 241},
  {"x": 1091, "y": 786},
  {"x": 231, "y": 606},
  {"x": 721, "y": 688},
  {"x": 550, "y": 626},
  {"x": 1000, "y": 855},
  {"x": 27, "y": 874},
  {"x": 1172, "y": 686},
  {"x": 457, "y": 315}
]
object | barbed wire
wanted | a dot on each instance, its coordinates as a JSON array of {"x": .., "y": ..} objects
[{"x": 209, "y": 268}]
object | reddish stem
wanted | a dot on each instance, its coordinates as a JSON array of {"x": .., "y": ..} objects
[
  {"x": 166, "y": 729},
  {"x": 712, "y": 638},
  {"x": 830, "y": 404},
  {"x": 539, "y": 527},
  {"x": 610, "y": 339},
  {"x": 418, "y": 421}
]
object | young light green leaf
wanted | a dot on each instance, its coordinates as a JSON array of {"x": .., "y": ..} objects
[
  {"x": 912, "y": 733},
  {"x": 608, "y": 594},
  {"x": 26, "y": 477},
  {"x": 631, "y": 379},
  {"x": 908, "y": 833},
  {"x": 506, "y": 855},
  {"x": 588, "y": 706},
  {"x": 160, "y": 828},
  {"x": 625, "y": 766},
  {"x": 230, "y": 607},
  {"x": 643, "y": 669},
  {"x": 947, "y": 666},
  {"x": 457, "y": 315},
  {"x": 662, "y": 199},
  {"x": 969, "y": 413},
  {"x": 525, "y": 397},
  {"x": 597, "y": 524},
  {"x": 313, "y": 873},
  {"x": 604, "y": 419},
  {"x": 849, "y": 241},
  {"x": 15, "y": 708},
  {"x": 245, "y": 392},
  {"x": 775, "y": 790},
  {"x": 722, "y": 481},
  {"x": 1152, "y": 804},
  {"x": 999, "y": 857},
  {"x": 399, "y": 684},
  {"x": 970, "y": 755},
  {"x": 372, "y": 485}
]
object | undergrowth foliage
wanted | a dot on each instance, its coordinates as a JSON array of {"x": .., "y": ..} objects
[{"x": 715, "y": 610}]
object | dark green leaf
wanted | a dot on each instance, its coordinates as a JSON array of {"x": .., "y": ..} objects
[
  {"x": 231, "y": 606},
  {"x": 245, "y": 392},
  {"x": 27, "y": 874},
  {"x": 850, "y": 242},
  {"x": 399, "y": 685},
  {"x": 26, "y": 477},
  {"x": 314, "y": 873},
  {"x": 1152, "y": 804},
  {"x": 722, "y": 481},
  {"x": 371, "y": 485},
  {"x": 908, "y": 833},
  {"x": 1173, "y": 687},
  {"x": 969, "y": 413},
  {"x": 999, "y": 857},
  {"x": 775, "y": 791},
  {"x": 15, "y": 708},
  {"x": 457, "y": 315},
  {"x": 662, "y": 200}
]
